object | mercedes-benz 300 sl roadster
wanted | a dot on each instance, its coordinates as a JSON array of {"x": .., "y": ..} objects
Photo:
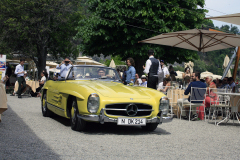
[{"x": 96, "y": 94}]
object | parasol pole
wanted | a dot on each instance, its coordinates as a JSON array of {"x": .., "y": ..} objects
[
  {"x": 236, "y": 64},
  {"x": 229, "y": 64}
]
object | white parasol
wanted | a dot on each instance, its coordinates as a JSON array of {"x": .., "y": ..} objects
[{"x": 225, "y": 64}]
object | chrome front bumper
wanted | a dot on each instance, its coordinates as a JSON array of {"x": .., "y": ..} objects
[{"x": 102, "y": 118}]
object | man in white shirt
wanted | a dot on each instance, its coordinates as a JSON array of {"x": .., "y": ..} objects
[
  {"x": 64, "y": 67},
  {"x": 19, "y": 71},
  {"x": 153, "y": 68}
]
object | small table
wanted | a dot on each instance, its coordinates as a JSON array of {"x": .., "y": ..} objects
[
  {"x": 234, "y": 108},
  {"x": 32, "y": 84}
]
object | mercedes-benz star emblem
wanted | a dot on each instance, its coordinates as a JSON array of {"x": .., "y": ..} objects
[{"x": 131, "y": 109}]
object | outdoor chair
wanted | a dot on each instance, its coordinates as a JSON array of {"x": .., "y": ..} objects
[
  {"x": 197, "y": 99},
  {"x": 170, "y": 95},
  {"x": 218, "y": 104}
]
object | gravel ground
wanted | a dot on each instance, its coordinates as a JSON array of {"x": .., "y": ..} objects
[{"x": 26, "y": 134}]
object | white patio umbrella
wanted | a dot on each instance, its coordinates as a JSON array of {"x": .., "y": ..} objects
[
  {"x": 179, "y": 74},
  {"x": 51, "y": 64},
  {"x": 225, "y": 64},
  {"x": 216, "y": 77},
  {"x": 86, "y": 61},
  {"x": 205, "y": 74},
  {"x": 112, "y": 64},
  {"x": 196, "y": 39},
  {"x": 54, "y": 70},
  {"x": 230, "y": 18}
]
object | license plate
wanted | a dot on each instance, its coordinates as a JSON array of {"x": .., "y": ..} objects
[{"x": 132, "y": 121}]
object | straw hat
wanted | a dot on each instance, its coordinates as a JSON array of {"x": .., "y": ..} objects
[{"x": 143, "y": 77}]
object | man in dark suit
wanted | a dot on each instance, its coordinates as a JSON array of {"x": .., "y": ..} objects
[{"x": 8, "y": 73}]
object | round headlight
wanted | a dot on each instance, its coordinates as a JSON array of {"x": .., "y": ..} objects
[
  {"x": 93, "y": 103},
  {"x": 164, "y": 105}
]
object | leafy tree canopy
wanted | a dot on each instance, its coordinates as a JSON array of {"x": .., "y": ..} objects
[
  {"x": 115, "y": 27},
  {"x": 36, "y": 28}
]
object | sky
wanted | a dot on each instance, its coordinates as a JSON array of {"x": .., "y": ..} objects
[{"x": 222, "y": 7}]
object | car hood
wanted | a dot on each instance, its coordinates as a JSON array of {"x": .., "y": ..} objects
[{"x": 116, "y": 90}]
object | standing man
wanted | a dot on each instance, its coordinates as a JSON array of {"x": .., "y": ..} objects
[
  {"x": 153, "y": 68},
  {"x": 64, "y": 67},
  {"x": 8, "y": 73},
  {"x": 19, "y": 71}
]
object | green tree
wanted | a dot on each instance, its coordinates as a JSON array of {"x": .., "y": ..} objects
[
  {"x": 117, "y": 60},
  {"x": 37, "y": 28},
  {"x": 199, "y": 66},
  {"x": 115, "y": 27}
]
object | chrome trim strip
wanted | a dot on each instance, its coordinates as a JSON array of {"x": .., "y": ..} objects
[
  {"x": 102, "y": 118},
  {"x": 145, "y": 110},
  {"x": 55, "y": 100},
  {"x": 130, "y": 103},
  {"x": 167, "y": 119},
  {"x": 115, "y": 109},
  {"x": 55, "y": 107}
]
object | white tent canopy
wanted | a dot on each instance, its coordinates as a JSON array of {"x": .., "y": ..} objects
[{"x": 87, "y": 61}]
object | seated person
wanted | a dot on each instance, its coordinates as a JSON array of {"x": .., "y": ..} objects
[
  {"x": 196, "y": 83},
  {"x": 78, "y": 76},
  {"x": 225, "y": 84},
  {"x": 138, "y": 80},
  {"x": 144, "y": 81},
  {"x": 102, "y": 73},
  {"x": 87, "y": 75},
  {"x": 210, "y": 96},
  {"x": 41, "y": 83},
  {"x": 165, "y": 84}
]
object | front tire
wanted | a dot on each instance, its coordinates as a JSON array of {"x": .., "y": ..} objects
[
  {"x": 150, "y": 126},
  {"x": 77, "y": 124},
  {"x": 45, "y": 111}
]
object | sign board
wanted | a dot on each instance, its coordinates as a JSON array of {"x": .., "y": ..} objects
[{"x": 2, "y": 66}]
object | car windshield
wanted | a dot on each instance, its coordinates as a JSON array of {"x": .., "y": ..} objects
[{"x": 93, "y": 73}]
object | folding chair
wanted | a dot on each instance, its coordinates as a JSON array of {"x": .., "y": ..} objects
[
  {"x": 217, "y": 104},
  {"x": 197, "y": 98}
]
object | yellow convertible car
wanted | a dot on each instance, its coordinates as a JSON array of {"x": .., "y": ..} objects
[{"x": 95, "y": 94}]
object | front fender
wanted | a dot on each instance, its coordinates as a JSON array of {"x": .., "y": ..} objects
[{"x": 73, "y": 93}]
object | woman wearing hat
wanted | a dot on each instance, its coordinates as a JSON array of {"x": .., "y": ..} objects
[{"x": 144, "y": 81}]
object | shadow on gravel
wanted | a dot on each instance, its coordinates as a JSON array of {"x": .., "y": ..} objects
[
  {"x": 110, "y": 128},
  {"x": 18, "y": 141},
  {"x": 62, "y": 120}
]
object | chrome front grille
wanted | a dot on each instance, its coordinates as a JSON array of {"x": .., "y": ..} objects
[{"x": 122, "y": 109}]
